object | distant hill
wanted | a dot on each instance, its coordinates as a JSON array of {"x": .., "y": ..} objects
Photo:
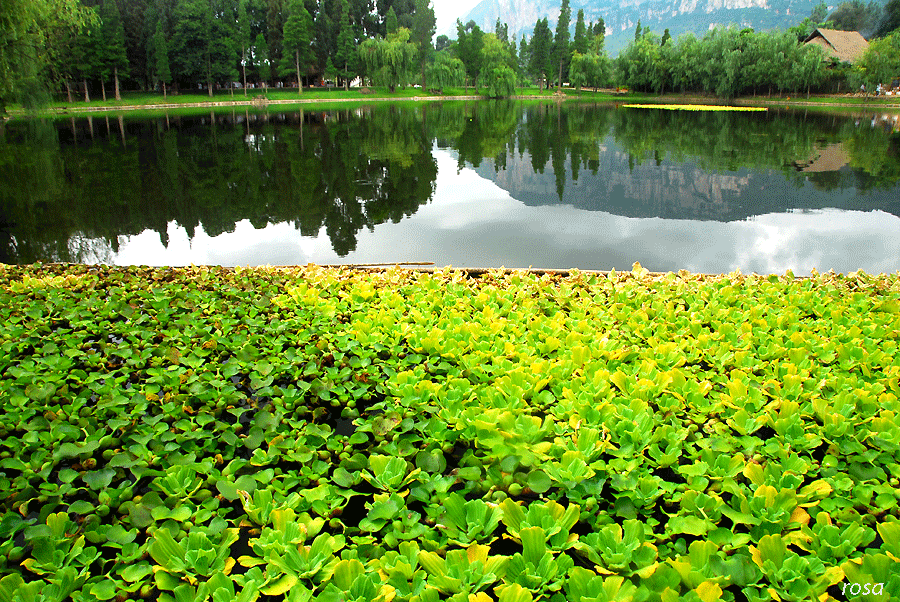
[{"x": 621, "y": 17}]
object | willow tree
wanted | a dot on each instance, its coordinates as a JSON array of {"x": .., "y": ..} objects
[
  {"x": 389, "y": 61},
  {"x": 30, "y": 31},
  {"x": 298, "y": 32},
  {"x": 497, "y": 67},
  {"x": 446, "y": 71}
]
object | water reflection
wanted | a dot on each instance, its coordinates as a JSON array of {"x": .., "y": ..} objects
[{"x": 520, "y": 184}]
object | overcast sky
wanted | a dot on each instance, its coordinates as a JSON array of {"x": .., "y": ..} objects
[{"x": 447, "y": 11}]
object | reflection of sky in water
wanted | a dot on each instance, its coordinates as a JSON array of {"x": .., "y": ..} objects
[{"x": 473, "y": 222}]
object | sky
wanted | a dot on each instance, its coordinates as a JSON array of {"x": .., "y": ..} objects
[{"x": 447, "y": 11}]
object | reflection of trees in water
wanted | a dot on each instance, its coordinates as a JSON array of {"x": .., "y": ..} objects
[{"x": 61, "y": 182}]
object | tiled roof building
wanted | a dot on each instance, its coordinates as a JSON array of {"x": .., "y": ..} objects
[{"x": 846, "y": 46}]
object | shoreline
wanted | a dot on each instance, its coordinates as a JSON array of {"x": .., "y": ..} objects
[{"x": 605, "y": 97}]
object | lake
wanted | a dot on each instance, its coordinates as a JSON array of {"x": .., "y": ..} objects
[{"x": 487, "y": 184}]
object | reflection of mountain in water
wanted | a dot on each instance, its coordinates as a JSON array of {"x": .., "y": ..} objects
[
  {"x": 702, "y": 182},
  {"x": 679, "y": 191}
]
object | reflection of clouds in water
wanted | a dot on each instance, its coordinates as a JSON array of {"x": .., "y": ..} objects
[
  {"x": 276, "y": 244},
  {"x": 473, "y": 222}
]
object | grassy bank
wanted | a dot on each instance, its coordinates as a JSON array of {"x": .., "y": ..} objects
[
  {"x": 315, "y": 97},
  {"x": 284, "y": 434},
  {"x": 279, "y": 97}
]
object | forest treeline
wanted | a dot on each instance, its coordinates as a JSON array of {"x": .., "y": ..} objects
[{"x": 87, "y": 48}]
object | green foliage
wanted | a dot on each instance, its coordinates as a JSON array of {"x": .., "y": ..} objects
[
  {"x": 890, "y": 21},
  {"x": 881, "y": 61},
  {"x": 297, "y": 36},
  {"x": 202, "y": 47},
  {"x": 748, "y": 443},
  {"x": 560, "y": 51},
  {"x": 347, "y": 59},
  {"x": 422, "y": 32},
  {"x": 389, "y": 62},
  {"x": 446, "y": 71},
  {"x": 161, "y": 70},
  {"x": 497, "y": 68},
  {"x": 469, "y": 44},
  {"x": 725, "y": 63},
  {"x": 540, "y": 63},
  {"x": 856, "y": 15},
  {"x": 30, "y": 33}
]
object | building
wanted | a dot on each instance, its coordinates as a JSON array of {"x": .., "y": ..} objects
[{"x": 845, "y": 46}]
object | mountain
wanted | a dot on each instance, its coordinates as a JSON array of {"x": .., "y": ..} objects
[{"x": 621, "y": 17}]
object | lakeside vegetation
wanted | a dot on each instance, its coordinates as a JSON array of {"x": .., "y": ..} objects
[
  {"x": 285, "y": 434},
  {"x": 139, "y": 103},
  {"x": 91, "y": 48}
]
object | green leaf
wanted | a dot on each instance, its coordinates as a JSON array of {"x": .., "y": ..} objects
[
  {"x": 99, "y": 479},
  {"x": 538, "y": 481},
  {"x": 105, "y": 590},
  {"x": 687, "y": 524},
  {"x": 81, "y": 507},
  {"x": 136, "y": 572}
]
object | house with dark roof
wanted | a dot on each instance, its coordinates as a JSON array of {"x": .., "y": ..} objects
[{"x": 845, "y": 46}]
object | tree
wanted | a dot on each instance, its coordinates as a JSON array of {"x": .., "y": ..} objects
[
  {"x": 446, "y": 71},
  {"x": 590, "y": 69},
  {"x": 262, "y": 59},
  {"x": 497, "y": 67},
  {"x": 243, "y": 39},
  {"x": 561, "y": 52},
  {"x": 523, "y": 56},
  {"x": 443, "y": 42},
  {"x": 819, "y": 12},
  {"x": 389, "y": 60},
  {"x": 346, "y": 52},
  {"x": 856, "y": 16},
  {"x": 469, "y": 42},
  {"x": 161, "y": 71},
  {"x": 890, "y": 20},
  {"x": 501, "y": 30},
  {"x": 422, "y": 33},
  {"x": 390, "y": 21},
  {"x": 666, "y": 37},
  {"x": 296, "y": 38},
  {"x": 202, "y": 46},
  {"x": 580, "y": 42},
  {"x": 539, "y": 62},
  {"x": 637, "y": 31},
  {"x": 880, "y": 62},
  {"x": 30, "y": 33},
  {"x": 112, "y": 36}
]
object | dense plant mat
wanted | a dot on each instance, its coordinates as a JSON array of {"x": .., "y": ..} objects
[
  {"x": 694, "y": 107},
  {"x": 322, "y": 434}
]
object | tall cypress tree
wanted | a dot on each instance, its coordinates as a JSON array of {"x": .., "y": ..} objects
[
  {"x": 297, "y": 35},
  {"x": 580, "y": 42},
  {"x": 560, "y": 52},
  {"x": 115, "y": 60},
  {"x": 346, "y": 52},
  {"x": 422, "y": 32},
  {"x": 540, "y": 60},
  {"x": 161, "y": 70}
]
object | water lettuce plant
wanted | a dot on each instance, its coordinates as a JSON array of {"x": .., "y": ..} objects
[{"x": 336, "y": 434}]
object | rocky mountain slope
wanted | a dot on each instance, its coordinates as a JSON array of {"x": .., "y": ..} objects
[{"x": 621, "y": 18}]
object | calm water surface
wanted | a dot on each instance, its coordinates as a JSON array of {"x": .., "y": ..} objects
[{"x": 463, "y": 184}]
